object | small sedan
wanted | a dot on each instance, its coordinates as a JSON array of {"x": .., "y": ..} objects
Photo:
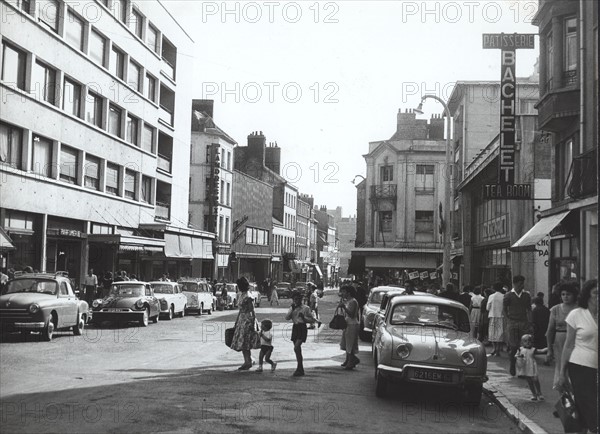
[
  {"x": 127, "y": 302},
  {"x": 230, "y": 300},
  {"x": 172, "y": 300},
  {"x": 199, "y": 296},
  {"x": 371, "y": 308},
  {"x": 284, "y": 290},
  {"x": 425, "y": 339}
]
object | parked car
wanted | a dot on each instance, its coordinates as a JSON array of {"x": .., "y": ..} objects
[
  {"x": 371, "y": 308},
  {"x": 199, "y": 296},
  {"x": 231, "y": 301},
  {"x": 426, "y": 339},
  {"x": 171, "y": 298},
  {"x": 283, "y": 289},
  {"x": 127, "y": 301},
  {"x": 254, "y": 294},
  {"x": 44, "y": 303}
]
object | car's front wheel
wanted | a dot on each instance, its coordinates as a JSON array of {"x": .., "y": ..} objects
[
  {"x": 78, "y": 328},
  {"x": 212, "y": 307},
  {"x": 48, "y": 330},
  {"x": 200, "y": 309},
  {"x": 145, "y": 318},
  {"x": 182, "y": 314},
  {"x": 381, "y": 385},
  {"x": 156, "y": 318},
  {"x": 170, "y": 314},
  {"x": 473, "y": 394}
]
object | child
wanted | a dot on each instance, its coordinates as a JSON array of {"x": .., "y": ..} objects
[
  {"x": 527, "y": 366},
  {"x": 266, "y": 345},
  {"x": 300, "y": 315}
]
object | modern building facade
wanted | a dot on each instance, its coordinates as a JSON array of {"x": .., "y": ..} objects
[{"x": 95, "y": 138}]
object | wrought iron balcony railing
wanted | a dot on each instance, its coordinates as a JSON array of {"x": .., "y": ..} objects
[{"x": 384, "y": 191}]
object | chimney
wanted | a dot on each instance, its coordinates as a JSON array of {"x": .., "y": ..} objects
[{"x": 256, "y": 146}]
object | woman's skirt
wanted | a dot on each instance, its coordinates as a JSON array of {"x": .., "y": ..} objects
[
  {"x": 559, "y": 343},
  {"x": 349, "y": 342},
  {"x": 496, "y": 329}
]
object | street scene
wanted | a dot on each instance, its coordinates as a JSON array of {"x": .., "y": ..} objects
[{"x": 342, "y": 216}]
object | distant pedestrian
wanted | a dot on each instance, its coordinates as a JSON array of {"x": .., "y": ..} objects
[
  {"x": 266, "y": 345},
  {"x": 349, "y": 342},
  {"x": 313, "y": 301},
  {"x": 274, "y": 297},
  {"x": 540, "y": 316},
  {"x": 556, "y": 333},
  {"x": 107, "y": 282},
  {"x": 495, "y": 315},
  {"x": 465, "y": 296},
  {"x": 475, "y": 313},
  {"x": 517, "y": 311},
  {"x": 484, "y": 321},
  {"x": 526, "y": 366},
  {"x": 90, "y": 284},
  {"x": 449, "y": 293},
  {"x": 300, "y": 315}
]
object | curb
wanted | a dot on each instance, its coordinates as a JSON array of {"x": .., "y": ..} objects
[{"x": 525, "y": 424}]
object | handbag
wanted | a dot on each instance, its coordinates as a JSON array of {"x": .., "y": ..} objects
[
  {"x": 229, "y": 336},
  {"x": 256, "y": 337},
  {"x": 569, "y": 416},
  {"x": 338, "y": 322}
]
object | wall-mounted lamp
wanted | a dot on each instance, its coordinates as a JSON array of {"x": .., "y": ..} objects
[{"x": 356, "y": 176}]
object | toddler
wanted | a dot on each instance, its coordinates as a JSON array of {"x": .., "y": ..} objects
[
  {"x": 266, "y": 345},
  {"x": 527, "y": 366}
]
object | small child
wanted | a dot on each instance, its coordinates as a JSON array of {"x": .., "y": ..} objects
[
  {"x": 266, "y": 345},
  {"x": 527, "y": 366}
]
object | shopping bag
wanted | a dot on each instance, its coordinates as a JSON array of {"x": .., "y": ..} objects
[
  {"x": 229, "y": 336},
  {"x": 256, "y": 336},
  {"x": 565, "y": 407},
  {"x": 338, "y": 322}
]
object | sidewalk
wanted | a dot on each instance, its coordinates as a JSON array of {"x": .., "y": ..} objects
[{"x": 513, "y": 396}]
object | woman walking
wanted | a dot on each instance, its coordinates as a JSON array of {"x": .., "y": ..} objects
[
  {"x": 496, "y": 319},
  {"x": 244, "y": 334},
  {"x": 475, "y": 313},
  {"x": 580, "y": 356},
  {"x": 349, "y": 342}
]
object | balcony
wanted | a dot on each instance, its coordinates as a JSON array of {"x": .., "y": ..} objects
[
  {"x": 162, "y": 211},
  {"x": 557, "y": 109},
  {"x": 385, "y": 191},
  {"x": 583, "y": 180},
  {"x": 164, "y": 163},
  {"x": 165, "y": 115}
]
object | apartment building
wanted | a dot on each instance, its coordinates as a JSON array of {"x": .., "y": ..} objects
[{"x": 95, "y": 138}]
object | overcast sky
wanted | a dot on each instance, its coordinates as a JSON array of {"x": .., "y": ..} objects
[{"x": 324, "y": 79}]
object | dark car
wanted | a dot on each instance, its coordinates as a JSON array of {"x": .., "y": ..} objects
[
  {"x": 127, "y": 302},
  {"x": 283, "y": 289},
  {"x": 42, "y": 302}
]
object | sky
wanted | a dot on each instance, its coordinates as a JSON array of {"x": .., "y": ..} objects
[{"x": 323, "y": 79}]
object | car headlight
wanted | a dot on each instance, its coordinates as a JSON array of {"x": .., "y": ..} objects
[
  {"x": 403, "y": 350},
  {"x": 34, "y": 308},
  {"x": 467, "y": 358},
  {"x": 139, "y": 304},
  {"x": 96, "y": 303}
]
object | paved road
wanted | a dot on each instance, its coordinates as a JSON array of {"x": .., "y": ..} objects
[{"x": 178, "y": 376}]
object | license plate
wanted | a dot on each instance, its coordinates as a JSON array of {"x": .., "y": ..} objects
[
  {"x": 429, "y": 375},
  {"x": 113, "y": 309}
]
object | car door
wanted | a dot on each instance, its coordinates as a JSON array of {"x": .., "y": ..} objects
[
  {"x": 180, "y": 298},
  {"x": 152, "y": 300},
  {"x": 67, "y": 305}
]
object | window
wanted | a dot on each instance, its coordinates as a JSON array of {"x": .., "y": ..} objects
[
  {"x": 146, "y": 189},
  {"x": 221, "y": 238},
  {"x": 226, "y": 238},
  {"x": 169, "y": 55},
  {"x": 25, "y": 5},
  {"x": 207, "y": 188},
  {"x": 134, "y": 77},
  {"x": 72, "y": 97},
  {"x": 92, "y": 172},
  {"x": 564, "y": 160},
  {"x": 131, "y": 130},
  {"x": 97, "y": 48},
  {"x": 48, "y": 13},
  {"x": 570, "y": 65},
  {"x": 69, "y": 158},
  {"x": 424, "y": 221},
  {"x": 227, "y": 196},
  {"x": 112, "y": 179},
  {"x": 151, "y": 88},
  {"x": 11, "y": 145},
  {"x": 119, "y": 9},
  {"x": 74, "y": 30},
  {"x": 228, "y": 160},
  {"x": 130, "y": 184},
  {"x": 152, "y": 38},
  {"x": 148, "y": 138},
  {"x": 136, "y": 23},
  {"x": 386, "y": 173},
  {"x": 222, "y": 190},
  {"x": 527, "y": 106},
  {"x": 117, "y": 63},
  {"x": 114, "y": 120},
  {"x": 549, "y": 61},
  {"x": 424, "y": 177},
  {"x": 93, "y": 109},
  {"x": 42, "y": 156},
  {"x": 44, "y": 82},
  {"x": 13, "y": 66}
]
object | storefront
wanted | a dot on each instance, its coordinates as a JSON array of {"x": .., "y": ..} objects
[
  {"x": 25, "y": 232},
  {"x": 66, "y": 241}
]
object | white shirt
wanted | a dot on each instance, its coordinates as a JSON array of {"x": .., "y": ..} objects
[
  {"x": 495, "y": 305},
  {"x": 585, "y": 352},
  {"x": 266, "y": 338}
]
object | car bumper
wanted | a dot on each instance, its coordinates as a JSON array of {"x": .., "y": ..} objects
[
  {"x": 25, "y": 325},
  {"x": 117, "y": 315},
  {"x": 402, "y": 374}
]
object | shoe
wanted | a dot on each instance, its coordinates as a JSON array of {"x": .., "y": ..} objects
[
  {"x": 343, "y": 365},
  {"x": 534, "y": 398},
  {"x": 541, "y": 398},
  {"x": 319, "y": 324},
  {"x": 298, "y": 373},
  {"x": 259, "y": 369},
  {"x": 273, "y": 366},
  {"x": 356, "y": 359},
  {"x": 244, "y": 367},
  {"x": 350, "y": 366}
]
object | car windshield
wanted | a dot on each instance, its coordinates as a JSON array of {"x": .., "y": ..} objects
[
  {"x": 127, "y": 290},
  {"x": 32, "y": 285},
  {"x": 283, "y": 285},
  {"x": 375, "y": 297},
  {"x": 190, "y": 287},
  {"x": 430, "y": 315},
  {"x": 162, "y": 288}
]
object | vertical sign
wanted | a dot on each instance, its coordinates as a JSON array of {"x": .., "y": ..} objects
[{"x": 505, "y": 188}]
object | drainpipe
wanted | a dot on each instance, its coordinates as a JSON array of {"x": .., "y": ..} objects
[{"x": 581, "y": 77}]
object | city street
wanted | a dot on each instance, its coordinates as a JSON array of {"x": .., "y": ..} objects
[{"x": 178, "y": 376}]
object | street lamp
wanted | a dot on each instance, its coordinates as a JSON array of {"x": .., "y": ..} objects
[
  {"x": 356, "y": 176},
  {"x": 449, "y": 188}
]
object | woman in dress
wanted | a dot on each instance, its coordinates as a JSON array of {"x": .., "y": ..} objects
[
  {"x": 557, "y": 327},
  {"x": 349, "y": 342},
  {"x": 579, "y": 364},
  {"x": 475, "y": 313},
  {"x": 245, "y": 331}
]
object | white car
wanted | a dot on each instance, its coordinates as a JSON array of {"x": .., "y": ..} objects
[
  {"x": 254, "y": 294},
  {"x": 172, "y": 300},
  {"x": 199, "y": 296}
]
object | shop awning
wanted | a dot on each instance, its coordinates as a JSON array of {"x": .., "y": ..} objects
[
  {"x": 186, "y": 247},
  {"x": 541, "y": 229},
  {"x": 129, "y": 243},
  {"x": 319, "y": 272},
  {"x": 5, "y": 241}
]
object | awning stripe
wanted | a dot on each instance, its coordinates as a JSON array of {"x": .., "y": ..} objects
[{"x": 541, "y": 229}]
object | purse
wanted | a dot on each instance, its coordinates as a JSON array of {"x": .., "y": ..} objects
[
  {"x": 567, "y": 412},
  {"x": 229, "y": 336},
  {"x": 338, "y": 322}
]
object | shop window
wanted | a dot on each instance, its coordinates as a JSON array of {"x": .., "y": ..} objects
[
  {"x": 114, "y": 120},
  {"x": 44, "y": 82},
  {"x": 69, "y": 160},
  {"x": 117, "y": 62},
  {"x": 13, "y": 66},
  {"x": 134, "y": 76},
  {"x": 92, "y": 172},
  {"x": 97, "y": 47},
  {"x": 112, "y": 179},
  {"x": 72, "y": 97},
  {"x": 48, "y": 14},
  {"x": 385, "y": 221},
  {"x": 130, "y": 184},
  {"x": 93, "y": 109},
  {"x": 11, "y": 145},
  {"x": 386, "y": 173},
  {"x": 42, "y": 156},
  {"x": 74, "y": 30}
]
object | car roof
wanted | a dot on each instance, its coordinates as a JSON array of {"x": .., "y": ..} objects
[
  {"x": 427, "y": 299},
  {"x": 387, "y": 288},
  {"x": 49, "y": 276},
  {"x": 160, "y": 282},
  {"x": 132, "y": 282}
]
